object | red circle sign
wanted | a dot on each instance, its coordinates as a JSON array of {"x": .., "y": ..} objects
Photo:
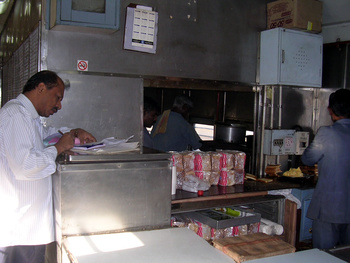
[{"x": 82, "y": 65}]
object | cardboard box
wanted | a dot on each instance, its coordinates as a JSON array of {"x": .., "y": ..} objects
[
  {"x": 254, "y": 246},
  {"x": 304, "y": 15}
]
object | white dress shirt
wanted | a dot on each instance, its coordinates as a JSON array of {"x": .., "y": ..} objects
[{"x": 26, "y": 167}]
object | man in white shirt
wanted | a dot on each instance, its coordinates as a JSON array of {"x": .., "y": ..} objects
[{"x": 26, "y": 166}]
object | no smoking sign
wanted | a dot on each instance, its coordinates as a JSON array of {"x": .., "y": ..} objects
[{"x": 83, "y": 65}]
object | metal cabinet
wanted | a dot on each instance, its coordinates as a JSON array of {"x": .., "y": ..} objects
[
  {"x": 290, "y": 57},
  {"x": 92, "y": 13},
  {"x": 111, "y": 193}
]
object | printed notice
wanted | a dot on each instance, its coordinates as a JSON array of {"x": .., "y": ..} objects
[
  {"x": 144, "y": 28},
  {"x": 141, "y": 30}
]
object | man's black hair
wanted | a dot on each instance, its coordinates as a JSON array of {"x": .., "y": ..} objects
[
  {"x": 49, "y": 78},
  {"x": 339, "y": 102},
  {"x": 149, "y": 105}
]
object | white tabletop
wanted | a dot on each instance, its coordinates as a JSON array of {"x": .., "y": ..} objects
[
  {"x": 171, "y": 245},
  {"x": 178, "y": 245}
]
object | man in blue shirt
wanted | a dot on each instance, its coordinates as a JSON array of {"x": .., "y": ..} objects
[
  {"x": 172, "y": 132},
  {"x": 330, "y": 149}
]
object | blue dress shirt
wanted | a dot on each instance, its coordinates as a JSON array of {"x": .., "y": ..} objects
[
  {"x": 330, "y": 149},
  {"x": 178, "y": 136}
]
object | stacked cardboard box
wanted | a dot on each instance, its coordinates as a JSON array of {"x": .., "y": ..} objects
[{"x": 304, "y": 15}]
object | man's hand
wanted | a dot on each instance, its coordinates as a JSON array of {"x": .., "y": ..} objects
[
  {"x": 66, "y": 142},
  {"x": 83, "y": 136}
]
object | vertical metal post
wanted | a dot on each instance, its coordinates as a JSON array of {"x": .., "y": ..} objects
[
  {"x": 262, "y": 132},
  {"x": 279, "y": 122},
  {"x": 255, "y": 123},
  {"x": 224, "y": 107},
  {"x": 272, "y": 106}
]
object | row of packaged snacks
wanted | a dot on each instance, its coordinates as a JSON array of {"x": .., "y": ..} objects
[
  {"x": 208, "y": 161},
  {"x": 208, "y": 233},
  {"x": 225, "y": 168}
]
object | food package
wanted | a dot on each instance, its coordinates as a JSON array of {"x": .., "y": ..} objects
[
  {"x": 202, "y": 165},
  {"x": 215, "y": 161},
  {"x": 202, "y": 161},
  {"x": 214, "y": 177},
  {"x": 239, "y": 160},
  {"x": 179, "y": 220},
  {"x": 188, "y": 161},
  {"x": 227, "y": 178},
  {"x": 238, "y": 176},
  {"x": 194, "y": 184},
  {"x": 231, "y": 159},
  {"x": 236, "y": 231},
  {"x": 204, "y": 231},
  {"x": 226, "y": 160},
  {"x": 211, "y": 166},
  {"x": 253, "y": 228},
  {"x": 193, "y": 226},
  {"x": 200, "y": 229},
  {"x": 231, "y": 231},
  {"x": 242, "y": 230},
  {"x": 177, "y": 161},
  {"x": 217, "y": 233},
  {"x": 180, "y": 178},
  {"x": 204, "y": 175}
]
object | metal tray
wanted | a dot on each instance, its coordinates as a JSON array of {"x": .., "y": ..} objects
[{"x": 219, "y": 220}]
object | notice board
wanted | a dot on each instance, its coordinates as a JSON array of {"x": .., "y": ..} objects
[{"x": 141, "y": 29}]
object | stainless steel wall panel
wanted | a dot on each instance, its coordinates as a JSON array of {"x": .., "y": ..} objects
[
  {"x": 219, "y": 43},
  {"x": 105, "y": 106},
  {"x": 324, "y": 118},
  {"x": 297, "y": 108}
]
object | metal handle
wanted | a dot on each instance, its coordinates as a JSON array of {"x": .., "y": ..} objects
[{"x": 283, "y": 55}]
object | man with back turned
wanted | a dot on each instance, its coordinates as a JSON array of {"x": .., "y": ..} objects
[
  {"x": 172, "y": 132},
  {"x": 330, "y": 149},
  {"x": 26, "y": 166}
]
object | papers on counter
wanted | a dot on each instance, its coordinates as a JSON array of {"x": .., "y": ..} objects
[
  {"x": 90, "y": 146},
  {"x": 110, "y": 145}
]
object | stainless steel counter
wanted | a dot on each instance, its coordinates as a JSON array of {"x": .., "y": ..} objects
[{"x": 111, "y": 193}]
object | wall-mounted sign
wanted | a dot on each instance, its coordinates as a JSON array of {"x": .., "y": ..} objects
[
  {"x": 83, "y": 65},
  {"x": 141, "y": 29}
]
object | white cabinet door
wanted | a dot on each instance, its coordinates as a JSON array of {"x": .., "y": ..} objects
[{"x": 290, "y": 57}]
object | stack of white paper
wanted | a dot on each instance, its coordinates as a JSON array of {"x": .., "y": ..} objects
[{"x": 109, "y": 145}]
